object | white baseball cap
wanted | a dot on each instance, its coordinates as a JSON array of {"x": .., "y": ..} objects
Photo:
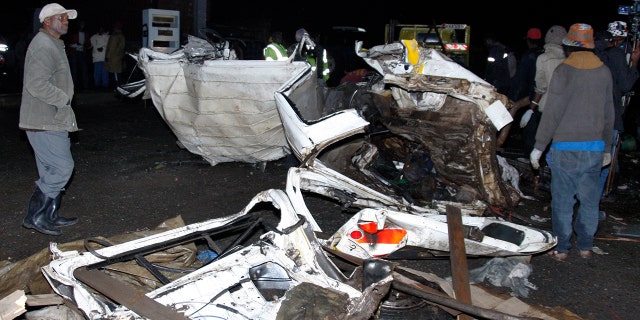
[{"x": 53, "y": 9}]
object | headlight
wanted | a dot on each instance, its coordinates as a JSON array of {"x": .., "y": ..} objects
[{"x": 3, "y": 47}]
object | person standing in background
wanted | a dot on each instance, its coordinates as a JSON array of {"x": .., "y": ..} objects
[
  {"x": 113, "y": 62},
  {"x": 625, "y": 74},
  {"x": 523, "y": 82},
  {"x": 311, "y": 52},
  {"x": 98, "y": 53},
  {"x": 522, "y": 86},
  {"x": 324, "y": 62},
  {"x": 500, "y": 65},
  {"x": 47, "y": 117},
  {"x": 578, "y": 122},
  {"x": 275, "y": 50},
  {"x": 545, "y": 64},
  {"x": 79, "y": 57}
]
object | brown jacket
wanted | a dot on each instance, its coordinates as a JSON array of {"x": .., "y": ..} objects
[{"x": 115, "y": 52}]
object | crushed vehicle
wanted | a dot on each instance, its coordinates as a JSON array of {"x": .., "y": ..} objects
[
  {"x": 265, "y": 279},
  {"x": 269, "y": 259},
  {"x": 437, "y": 120},
  {"x": 268, "y": 277}
]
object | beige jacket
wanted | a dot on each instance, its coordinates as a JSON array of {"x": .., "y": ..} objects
[{"x": 47, "y": 88}]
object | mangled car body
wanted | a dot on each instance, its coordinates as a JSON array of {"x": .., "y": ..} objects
[
  {"x": 268, "y": 277},
  {"x": 432, "y": 128},
  {"x": 244, "y": 283},
  {"x": 262, "y": 270},
  {"x": 432, "y": 123}
]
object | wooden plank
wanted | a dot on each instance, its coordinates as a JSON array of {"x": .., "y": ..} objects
[
  {"x": 12, "y": 305},
  {"x": 459, "y": 266},
  {"x": 50, "y": 299},
  {"x": 127, "y": 295}
]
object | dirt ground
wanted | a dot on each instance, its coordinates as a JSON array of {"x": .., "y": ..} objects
[{"x": 131, "y": 175}]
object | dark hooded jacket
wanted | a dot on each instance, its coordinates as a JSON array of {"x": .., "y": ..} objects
[{"x": 623, "y": 75}]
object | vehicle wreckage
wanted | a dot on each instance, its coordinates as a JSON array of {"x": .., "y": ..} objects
[
  {"x": 354, "y": 144},
  {"x": 431, "y": 123}
]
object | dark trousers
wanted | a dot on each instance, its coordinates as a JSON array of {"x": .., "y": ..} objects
[{"x": 79, "y": 65}]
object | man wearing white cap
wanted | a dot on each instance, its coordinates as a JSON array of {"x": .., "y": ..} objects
[{"x": 47, "y": 117}]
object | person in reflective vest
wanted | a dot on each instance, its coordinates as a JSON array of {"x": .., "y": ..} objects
[
  {"x": 315, "y": 55},
  {"x": 275, "y": 51},
  {"x": 323, "y": 63}
]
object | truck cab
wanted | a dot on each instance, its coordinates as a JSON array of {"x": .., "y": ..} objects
[{"x": 451, "y": 39}]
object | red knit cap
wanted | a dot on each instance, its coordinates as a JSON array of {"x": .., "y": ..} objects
[
  {"x": 579, "y": 35},
  {"x": 534, "y": 33}
]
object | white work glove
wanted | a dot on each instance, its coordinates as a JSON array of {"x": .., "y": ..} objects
[
  {"x": 534, "y": 157},
  {"x": 525, "y": 118},
  {"x": 606, "y": 160}
]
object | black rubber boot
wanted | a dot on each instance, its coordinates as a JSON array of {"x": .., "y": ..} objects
[
  {"x": 36, "y": 217},
  {"x": 53, "y": 216}
]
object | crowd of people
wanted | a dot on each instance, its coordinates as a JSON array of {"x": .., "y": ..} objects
[
  {"x": 96, "y": 58},
  {"x": 574, "y": 88},
  {"x": 95, "y": 53}
]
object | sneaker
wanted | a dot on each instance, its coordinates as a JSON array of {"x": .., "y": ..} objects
[{"x": 602, "y": 216}]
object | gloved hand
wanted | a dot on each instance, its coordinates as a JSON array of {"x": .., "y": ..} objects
[
  {"x": 534, "y": 157},
  {"x": 606, "y": 160},
  {"x": 525, "y": 118}
]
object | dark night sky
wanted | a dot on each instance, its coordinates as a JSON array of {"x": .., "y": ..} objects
[{"x": 483, "y": 16}]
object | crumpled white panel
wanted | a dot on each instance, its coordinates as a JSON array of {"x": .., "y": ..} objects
[{"x": 223, "y": 110}]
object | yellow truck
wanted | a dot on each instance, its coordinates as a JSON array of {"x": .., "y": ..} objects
[{"x": 452, "y": 39}]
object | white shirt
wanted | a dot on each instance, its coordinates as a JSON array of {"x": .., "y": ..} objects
[{"x": 99, "y": 44}]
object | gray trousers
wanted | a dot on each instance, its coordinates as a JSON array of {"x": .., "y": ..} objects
[{"x": 55, "y": 164}]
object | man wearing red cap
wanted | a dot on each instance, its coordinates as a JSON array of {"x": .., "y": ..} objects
[
  {"x": 522, "y": 88},
  {"x": 522, "y": 83},
  {"x": 534, "y": 33}
]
